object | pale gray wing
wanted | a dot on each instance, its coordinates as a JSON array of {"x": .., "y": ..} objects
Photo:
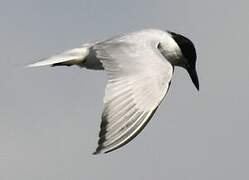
[{"x": 138, "y": 79}]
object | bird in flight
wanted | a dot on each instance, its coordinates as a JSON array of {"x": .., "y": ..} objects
[{"x": 139, "y": 67}]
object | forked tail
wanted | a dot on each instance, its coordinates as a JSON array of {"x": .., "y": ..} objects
[{"x": 71, "y": 57}]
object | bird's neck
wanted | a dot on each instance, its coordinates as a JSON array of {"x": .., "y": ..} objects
[{"x": 171, "y": 51}]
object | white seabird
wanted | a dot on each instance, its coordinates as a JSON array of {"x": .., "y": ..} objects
[{"x": 139, "y": 66}]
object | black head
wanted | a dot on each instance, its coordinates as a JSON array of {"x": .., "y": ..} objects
[{"x": 189, "y": 55}]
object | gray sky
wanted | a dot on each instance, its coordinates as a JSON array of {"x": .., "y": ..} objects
[{"x": 50, "y": 117}]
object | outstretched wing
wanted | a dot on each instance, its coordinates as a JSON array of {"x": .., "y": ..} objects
[{"x": 138, "y": 79}]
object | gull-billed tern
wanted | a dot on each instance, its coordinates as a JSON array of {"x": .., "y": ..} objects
[{"x": 139, "y": 67}]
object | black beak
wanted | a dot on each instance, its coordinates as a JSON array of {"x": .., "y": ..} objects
[{"x": 194, "y": 77}]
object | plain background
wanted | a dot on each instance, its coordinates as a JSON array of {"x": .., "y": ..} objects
[{"x": 50, "y": 117}]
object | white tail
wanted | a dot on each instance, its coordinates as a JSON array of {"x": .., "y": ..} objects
[{"x": 71, "y": 57}]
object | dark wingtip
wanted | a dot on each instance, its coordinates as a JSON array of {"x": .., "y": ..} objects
[
  {"x": 96, "y": 152},
  {"x": 102, "y": 137}
]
